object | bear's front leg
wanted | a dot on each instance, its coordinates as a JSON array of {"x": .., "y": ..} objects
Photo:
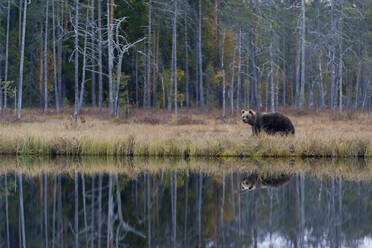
[{"x": 254, "y": 131}]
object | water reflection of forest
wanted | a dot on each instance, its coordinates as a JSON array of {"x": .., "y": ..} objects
[{"x": 188, "y": 208}]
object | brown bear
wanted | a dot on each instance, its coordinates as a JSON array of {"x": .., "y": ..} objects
[
  {"x": 271, "y": 123},
  {"x": 254, "y": 181}
]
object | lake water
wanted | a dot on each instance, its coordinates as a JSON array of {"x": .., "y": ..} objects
[{"x": 176, "y": 203}]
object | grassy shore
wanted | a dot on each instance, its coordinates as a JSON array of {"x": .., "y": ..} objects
[
  {"x": 348, "y": 169},
  {"x": 193, "y": 134}
]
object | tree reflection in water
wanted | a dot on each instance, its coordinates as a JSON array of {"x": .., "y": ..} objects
[{"x": 184, "y": 209}]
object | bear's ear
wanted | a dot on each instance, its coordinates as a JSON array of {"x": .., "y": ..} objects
[
  {"x": 243, "y": 111},
  {"x": 251, "y": 112}
]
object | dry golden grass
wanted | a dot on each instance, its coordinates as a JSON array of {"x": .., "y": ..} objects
[{"x": 195, "y": 133}]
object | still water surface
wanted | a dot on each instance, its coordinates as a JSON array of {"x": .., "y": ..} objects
[{"x": 165, "y": 204}]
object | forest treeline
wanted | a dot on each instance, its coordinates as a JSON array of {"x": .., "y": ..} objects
[{"x": 174, "y": 54}]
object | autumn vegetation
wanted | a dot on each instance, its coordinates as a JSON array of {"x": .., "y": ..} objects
[{"x": 195, "y": 133}]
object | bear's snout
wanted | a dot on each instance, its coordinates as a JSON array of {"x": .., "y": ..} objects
[{"x": 245, "y": 119}]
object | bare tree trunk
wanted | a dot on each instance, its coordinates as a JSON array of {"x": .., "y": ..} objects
[
  {"x": 54, "y": 210},
  {"x": 7, "y": 211},
  {"x": 20, "y": 84},
  {"x": 200, "y": 62},
  {"x": 59, "y": 54},
  {"x": 100, "y": 89},
  {"x": 174, "y": 207},
  {"x": 349, "y": 90},
  {"x": 59, "y": 212},
  {"x": 56, "y": 91},
  {"x": 156, "y": 70},
  {"x": 99, "y": 209},
  {"x": 186, "y": 209},
  {"x": 170, "y": 91},
  {"x": 239, "y": 203},
  {"x": 239, "y": 71},
  {"x": 223, "y": 77},
  {"x": 297, "y": 71},
  {"x": 163, "y": 90},
  {"x": 196, "y": 71},
  {"x": 222, "y": 209},
  {"x": 76, "y": 109},
  {"x": 46, "y": 57},
  {"x": 84, "y": 210},
  {"x": 84, "y": 64},
  {"x": 271, "y": 73},
  {"x": 232, "y": 83},
  {"x": 148, "y": 59},
  {"x": 333, "y": 69},
  {"x": 200, "y": 199},
  {"x": 148, "y": 199},
  {"x": 358, "y": 76},
  {"x": 254, "y": 80},
  {"x": 175, "y": 57},
  {"x": 22, "y": 212},
  {"x": 186, "y": 61},
  {"x": 284, "y": 79},
  {"x": 136, "y": 80},
  {"x": 303, "y": 33},
  {"x": 20, "y": 24},
  {"x": 340, "y": 33},
  {"x": 46, "y": 208},
  {"x": 310, "y": 89},
  {"x": 110, "y": 215},
  {"x": 110, "y": 19},
  {"x": 76, "y": 218},
  {"x": 92, "y": 212},
  {"x": 94, "y": 98},
  {"x": 116, "y": 100},
  {"x": 6, "y": 55},
  {"x": 320, "y": 80}
]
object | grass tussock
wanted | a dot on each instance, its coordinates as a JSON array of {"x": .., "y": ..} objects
[{"x": 193, "y": 134}]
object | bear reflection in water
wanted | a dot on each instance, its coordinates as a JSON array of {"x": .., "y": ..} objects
[{"x": 254, "y": 181}]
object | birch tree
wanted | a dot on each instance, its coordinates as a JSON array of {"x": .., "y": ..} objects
[
  {"x": 56, "y": 89},
  {"x": 340, "y": 64},
  {"x": 46, "y": 209},
  {"x": 93, "y": 62},
  {"x": 46, "y": 33},
  {"x": 303, "y": 33},
  {"x": 76, "y": 215},
  {"x": 232, "y": 82},
  {"x": 7, "y": 211},
  {"x": 21, "y": 64},
  {"x": 223, "y": 77},
  {"x": 147, "y": 88},
  {"x": 84, "y": 63},
  {"x": 100, "y": 70},
  {"x": 175, "y": 56},
  {"x": 238, "y": 86},
  {"x": 76, "y": 54},
  {"x": 186, "y": 57},
  {"x": 21, "y": 208},
  {"x": 200, "y": 57},
  {"x": 110, "y": 20},
  {"x": 6, "y": 56},
  {"x": 271, "y": 73}
]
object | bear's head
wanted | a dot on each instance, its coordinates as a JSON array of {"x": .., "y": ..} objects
[
  {"x": 248, "y": 184},
  {"x": 249, "y": 116}
]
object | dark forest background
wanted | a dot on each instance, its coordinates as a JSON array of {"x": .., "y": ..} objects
[{"x": 261, "y": 54}]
